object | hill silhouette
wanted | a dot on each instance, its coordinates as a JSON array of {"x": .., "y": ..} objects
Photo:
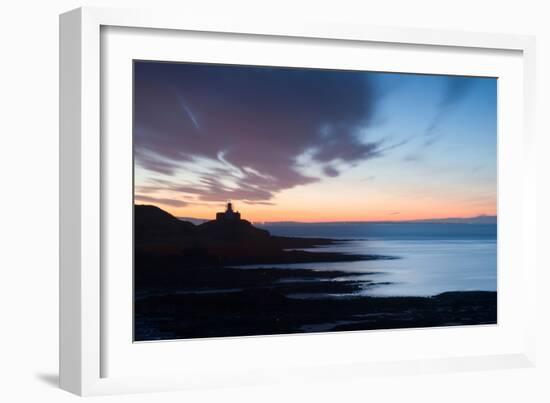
[
  {"x": 151, "y": 218},
  {"x": 160, "y": 235},
  {"x": 158, "y": 232},
  {"x": 153, "y": 224},
  {"x": 232, "y": 231}
]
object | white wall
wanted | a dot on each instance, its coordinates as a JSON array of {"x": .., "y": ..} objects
[{"x": 29, "y": 202}]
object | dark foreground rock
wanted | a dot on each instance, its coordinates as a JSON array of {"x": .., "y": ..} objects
[{"x": 245, "y": 302}]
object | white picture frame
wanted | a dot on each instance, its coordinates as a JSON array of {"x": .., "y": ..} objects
[{"x": 85, "y": 345}]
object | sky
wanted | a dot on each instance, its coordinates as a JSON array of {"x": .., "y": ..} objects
[{"x": 312, "y": 145}]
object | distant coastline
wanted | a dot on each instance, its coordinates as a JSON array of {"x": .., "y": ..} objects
[{"x": 480, "y": 219}]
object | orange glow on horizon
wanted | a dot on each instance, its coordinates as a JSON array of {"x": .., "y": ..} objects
[
  {"x": 396, "y": 197},
  {"x": 262, "y": 213}
]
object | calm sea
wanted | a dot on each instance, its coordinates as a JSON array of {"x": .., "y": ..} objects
[{"x": 432, "y": 258}]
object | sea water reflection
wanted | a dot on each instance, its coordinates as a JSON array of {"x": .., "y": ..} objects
[{"x": 431, "y": 258}]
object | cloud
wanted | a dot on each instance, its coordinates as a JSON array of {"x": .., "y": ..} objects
[
  {"x": 166, "y": 202},
  {"x": 256, "y": 202},
  {"x": 457, "y": 88},
  {"x": 240, "y": 131},
  {"x": 413, "y": 157},
  {"x": 331, "y": 171},
  {"x": 188, "y": 111},
  {"x": 455, "y": 91}
]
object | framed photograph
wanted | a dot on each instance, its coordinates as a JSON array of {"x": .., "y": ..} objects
[{"x": 249, "y": 202}]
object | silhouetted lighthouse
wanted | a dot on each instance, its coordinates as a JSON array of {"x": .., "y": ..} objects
[{"x": 228, "y": 214}]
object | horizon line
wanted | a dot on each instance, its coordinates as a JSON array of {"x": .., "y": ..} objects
[
  {"x": 356, "y": 221},
  {"x": 352, "y": 221}
]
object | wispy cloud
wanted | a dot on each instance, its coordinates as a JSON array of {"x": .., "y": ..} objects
[
  {"x": 413, "y": 157},
  {"x": 455, "y": 91},
  {"x": 157, "y": 200},
  {"x": 188, "y": 111}
]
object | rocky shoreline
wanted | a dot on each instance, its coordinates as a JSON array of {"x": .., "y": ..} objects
[
  {"x": 222, "y": 302},
  {"x": 268, "y": 311}
]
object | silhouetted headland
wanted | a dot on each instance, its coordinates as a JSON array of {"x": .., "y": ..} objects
[
  {"x": 188, "y": 285},
  {"x": 227, "y": 240}
]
